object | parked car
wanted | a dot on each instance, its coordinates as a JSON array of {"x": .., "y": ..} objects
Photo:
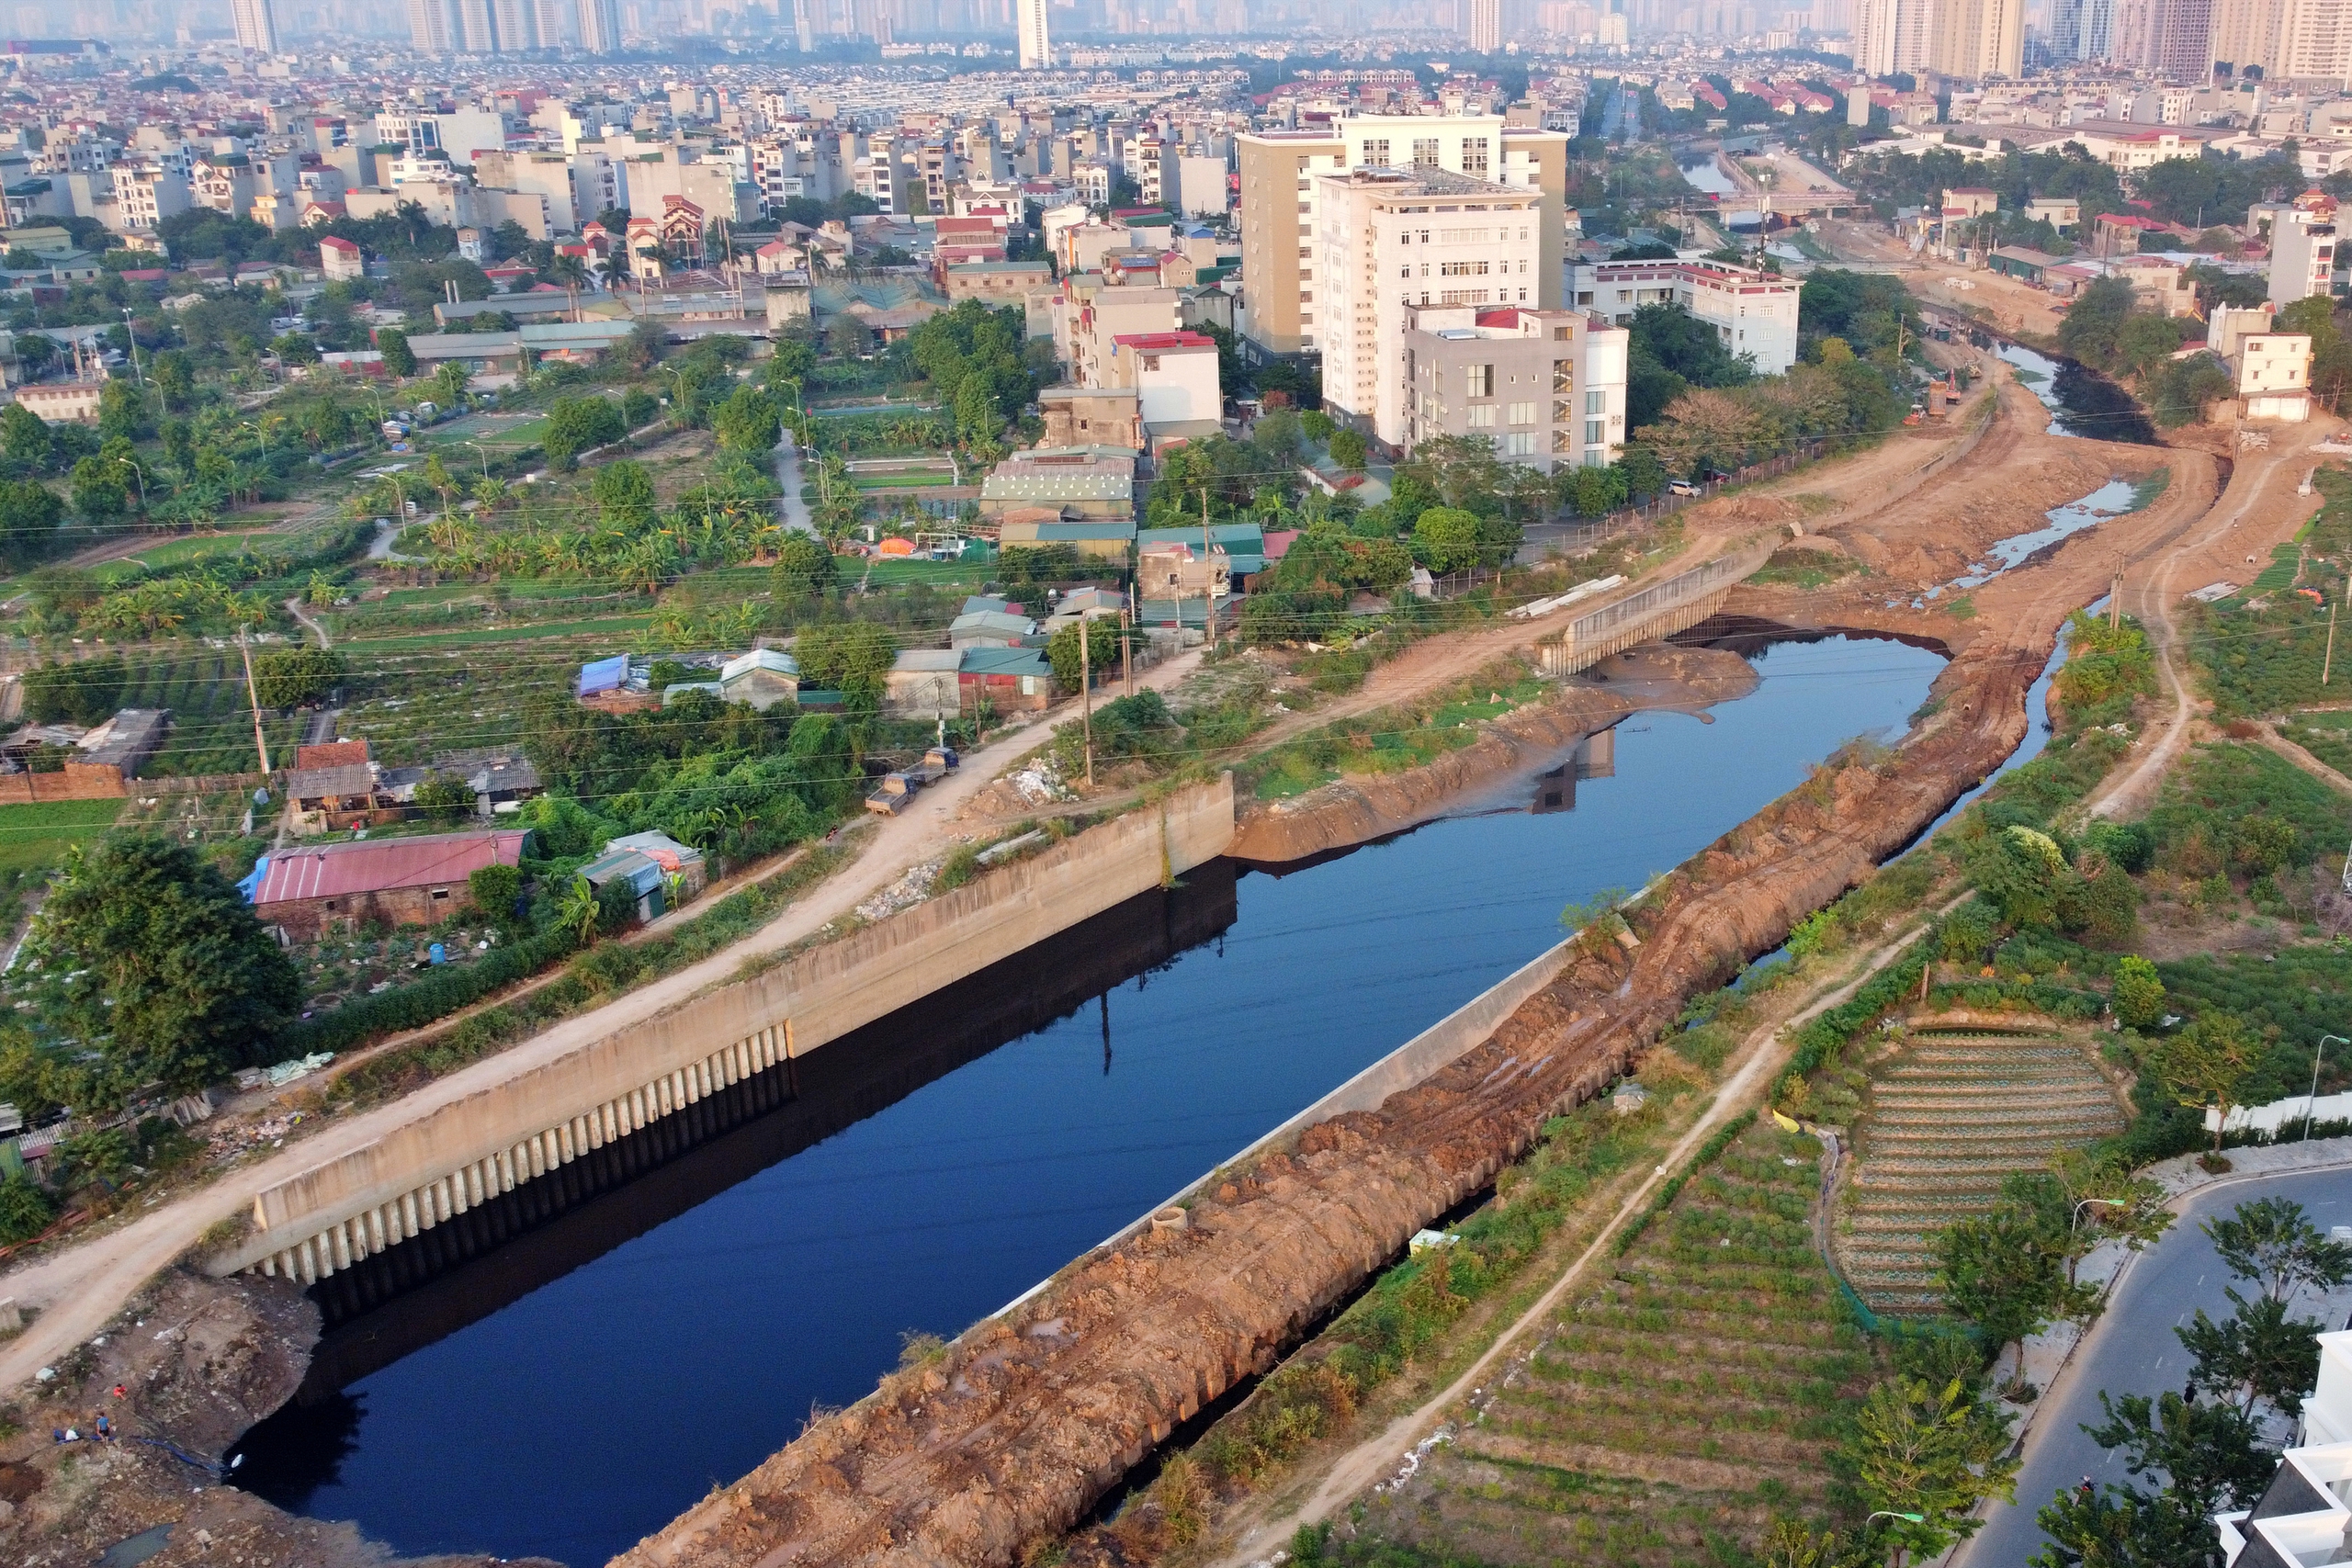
[{"x": 1680, "y": 487}]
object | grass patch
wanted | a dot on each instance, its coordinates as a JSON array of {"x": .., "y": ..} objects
[{"x": 36, "y": 835}]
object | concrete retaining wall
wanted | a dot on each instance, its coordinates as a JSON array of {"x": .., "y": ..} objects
[
  {"x": 1461, "y": 1031},
  {"x": 546, "y": 1115},
  {"x": 1647, "y": 614}
]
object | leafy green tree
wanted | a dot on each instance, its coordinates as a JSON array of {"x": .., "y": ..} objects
[
  {"x": 2210, "y": 1454},
  {"x": 2024, "y": 872},
  {"x": 1916, "y": 1450},
  {"x": 2265, "y": 843},
  {"x": 494, "y": 890},
  {"x": 289, "y": 677},
  {"x": 1446, "y": 540},
  {"x": 2257, "y": 1353},
  {"x": 25, "y": 1210},
  {"x": 122, "y": 409},
  {"x": 29, "y": 513},
  {"x": 2204, "y": 1067},
  {"x": 162, "y": 968},
  {"x": 639, "y": 408},
  {"x": 576, "y": 424},
  {"x": 450, "y": 381},
  {"x": 444, "y": 795},
  {"x": 101, "y": 492},
  {"x": 2138, "y": 1000},
  {"x": 1102, "y": 649},
  {"x": 853, "y": 657},
  {"x": 25, "y": 436},
  {"x": 2179, "y": 393},
  {"x": 2271, "y": 1243},
  {"x": 1348, "y": 449},
  {"x": 2000, "y": 1272},
  {"x": 400, "y": 360},
  {"x": 804, "y": 569},
  {"x": 748, "y": 422},
  {"x": 2094, "y": 324},
  {"x": 2121, "y": 1527},
  {"x": 623, "y": 494}
]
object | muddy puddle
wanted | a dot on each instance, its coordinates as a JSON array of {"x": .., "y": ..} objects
[{"x": 597, "y": 1351}]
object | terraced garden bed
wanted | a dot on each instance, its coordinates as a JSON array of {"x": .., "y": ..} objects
[
  {"x": 1673, "y": 1410},
  {"x": 1945, "y": 1123}
]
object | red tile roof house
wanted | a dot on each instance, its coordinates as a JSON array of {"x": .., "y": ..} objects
[{"x": 405, "y": 881}]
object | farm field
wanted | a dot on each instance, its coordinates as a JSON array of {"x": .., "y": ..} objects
[
  {"x": 1945, "y": 1121},
  {"x": 1675, "y": 1408},
  {"x": 413, "y": 710},
  {"x": 34, "y": 836}
]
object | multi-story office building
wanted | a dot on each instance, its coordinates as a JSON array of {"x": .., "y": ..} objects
[
  {"x": 1282, "y": 174},
  {"x": 1487, "y": 26},
  {"x": 1968, "y": 38},
  {"x": 1036, "y": 43},
  {"x": 1754, "y": 314},
  {"x": 256, "y": 25},
  {"x": 1547, "y": 386},
  {"x": 1390, "y": 238},
  {"x": 600, "y": 26}
]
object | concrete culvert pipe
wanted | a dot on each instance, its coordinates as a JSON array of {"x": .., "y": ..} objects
[{"x": 1170, "y": 1219}]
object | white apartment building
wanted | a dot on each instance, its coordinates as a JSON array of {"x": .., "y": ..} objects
[
  {"x": 2303, "y": 244},
  {"x": 145, "y": 194},
  {"x": 1037, "y": 41},
  {"x": 2303, "y": 1519},
  {"x": 1754, "y": 314},
  {"x": 1547, "y": 386},
  {"x": 1392, "y": 238},
  {"x": 1283, "y": 178}
]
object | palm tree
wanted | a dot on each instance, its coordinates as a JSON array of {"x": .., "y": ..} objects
[{"x": 572, "y": 273}]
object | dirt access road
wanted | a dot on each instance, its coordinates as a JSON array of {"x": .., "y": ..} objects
[
  {"x": 77, "y": 1289},
  {"x": 2259, "y": 510}
]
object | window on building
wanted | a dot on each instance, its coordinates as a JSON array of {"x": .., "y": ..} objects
[
  {"x": 1521, "y": 414},
  {"x": 1480, "y": 379},
  {"x": 1480, "y": 416},
  {"x": 1376, "y": 152},
  {"x": 1564, "y": 441},
  {"x": 1425, "y": 152},
  {"x": 1473, "y": 156},
  {"x": 1595, "y": 456},
  {"x": 1563, "y": 374},
  {"x": 1595, "y": 431},
  {"x": 1520, "y": 444},
  {"x": 1596, "y": 402}
]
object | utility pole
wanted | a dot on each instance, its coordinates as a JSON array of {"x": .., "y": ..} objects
[
  {"x": 261, "y": 743},
  {"x": 1086, "y": 693},
  {"x": 2115, "y": 600},
  {"x": 1208, "y": 576},
  {"x": 1128, "y": 644},
  {"x": 2327, "y": 660}
]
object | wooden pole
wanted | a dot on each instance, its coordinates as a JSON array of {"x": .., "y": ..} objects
[
  {"x": 1086, "y": 694},
  {"x": 2327, "y": 660},
  {"x": 1128, "y": 642},
  {"x": 1208, "y": 577},
  {"x": 2115, "y": 601},
  {"x": 261, "y": 742}
]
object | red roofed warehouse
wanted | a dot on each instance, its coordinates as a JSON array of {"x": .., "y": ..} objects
[{"x": 407, "y": 882}]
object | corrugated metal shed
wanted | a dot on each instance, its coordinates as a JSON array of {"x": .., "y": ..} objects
[{"x": 377, "y": 865}]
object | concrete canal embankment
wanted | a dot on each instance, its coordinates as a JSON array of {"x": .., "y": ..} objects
[{"x": 463, "y": 1154}]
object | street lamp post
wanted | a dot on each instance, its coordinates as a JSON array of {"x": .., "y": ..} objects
[
  {"x": 483, "y": 454},
  {"x": 2311, "y": 1102},
  {"x": 143, "y": 481}
]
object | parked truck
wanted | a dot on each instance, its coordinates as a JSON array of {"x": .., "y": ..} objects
[{"x": 890, "y": 796}]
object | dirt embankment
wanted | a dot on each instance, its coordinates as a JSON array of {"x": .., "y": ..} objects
[
  {"x": 1355, "y": 810},
  {"x": 196, "y": 1363},
  {"x": 1026, "y": 1420}
]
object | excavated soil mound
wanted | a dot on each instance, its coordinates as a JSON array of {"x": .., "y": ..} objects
[{"x": 1022, "y": 1423}]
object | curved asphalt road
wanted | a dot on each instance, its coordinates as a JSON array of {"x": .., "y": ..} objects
[{"x": 2133, "y": 1350}]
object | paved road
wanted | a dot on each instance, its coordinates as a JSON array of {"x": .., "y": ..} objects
[
  {"x": 790, "y": 509},
  {"x": 2133, "y": 1350}
]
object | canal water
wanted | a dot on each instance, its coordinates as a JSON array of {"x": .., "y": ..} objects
[
  {"x": 596, "y": 1353},
  {"x": 2084, "y": 403}
]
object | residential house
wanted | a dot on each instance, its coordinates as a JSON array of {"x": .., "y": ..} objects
[
  {"x": 923, "y": 684},
  {"x": 305, "y": 893},
  {"x": 1009, "y": 679}
]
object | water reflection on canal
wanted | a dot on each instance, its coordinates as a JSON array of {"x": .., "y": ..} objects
[{"x": 565, "y": 1381}]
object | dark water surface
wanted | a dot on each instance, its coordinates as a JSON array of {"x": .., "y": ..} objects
[
  {"x": 2085, "y": 403},
  {"x": 602, "y": 1346}
]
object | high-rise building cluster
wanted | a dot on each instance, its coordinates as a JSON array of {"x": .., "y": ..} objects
[{"x": 511, "y": 27}]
